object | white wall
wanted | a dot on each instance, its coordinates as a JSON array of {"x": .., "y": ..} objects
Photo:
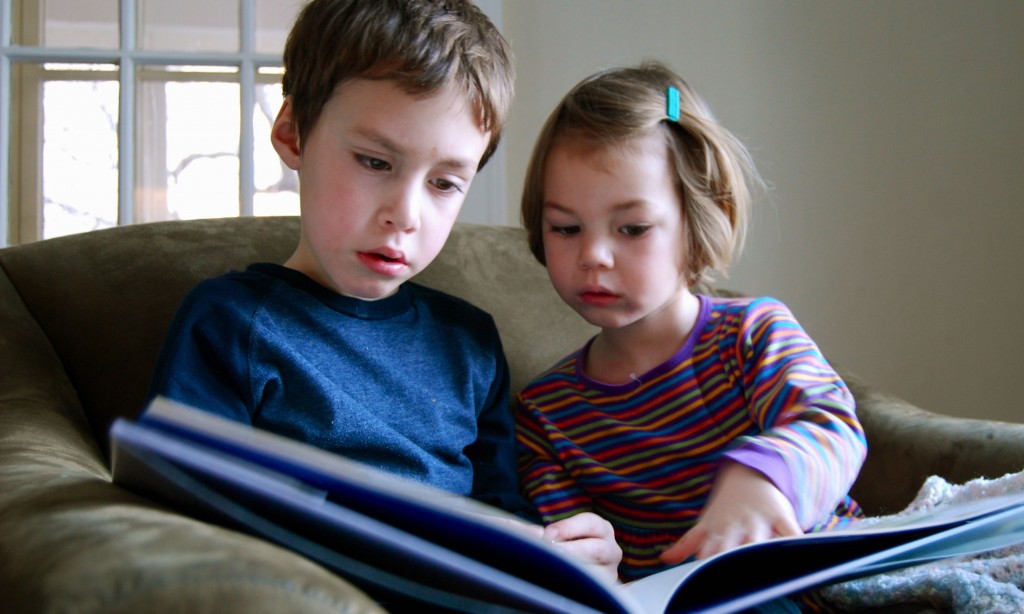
[
  {"x": 892, "y": 134},
  {"x": 487, "y": 200}
]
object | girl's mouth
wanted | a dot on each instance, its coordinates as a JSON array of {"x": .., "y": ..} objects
[{"x": 598, "y": 298}]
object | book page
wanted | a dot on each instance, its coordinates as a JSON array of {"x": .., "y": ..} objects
[
  {"x": 801, "y": 562},
  {"x": 654, "y": 592}
]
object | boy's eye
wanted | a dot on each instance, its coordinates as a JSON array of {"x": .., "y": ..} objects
[
  {"x": 634, "y": 230},
  {"x": 445, "y": 185},
  {"x": 373, "y": 163}
]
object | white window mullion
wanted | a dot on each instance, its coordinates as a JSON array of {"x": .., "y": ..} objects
[
  {"x": 5, "y": 124},
  {"x": 126, "y": 133},
  {"x": 247, "y": 98},
  {"x": 5, "y": 148}
]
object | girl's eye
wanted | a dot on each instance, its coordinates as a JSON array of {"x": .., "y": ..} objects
[
  {"x": 372, "y": 163},
  {"x": 634, "y": 230},
  {"x": 565, "y": 230}
]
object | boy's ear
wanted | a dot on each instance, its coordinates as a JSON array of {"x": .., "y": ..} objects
[{"x": 284, "y": 134}]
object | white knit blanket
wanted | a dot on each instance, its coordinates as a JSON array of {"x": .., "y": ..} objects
[{"x": 990, "y": 582}]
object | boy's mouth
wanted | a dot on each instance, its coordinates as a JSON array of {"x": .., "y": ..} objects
[
  {"x": 384, "y": 262},
  {"x": 386, "y": 254}
]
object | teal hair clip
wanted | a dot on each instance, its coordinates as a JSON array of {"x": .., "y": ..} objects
[{"x": 672, "y": 108}]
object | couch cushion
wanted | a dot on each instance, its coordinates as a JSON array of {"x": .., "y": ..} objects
[
  {"x": 104, "y": 299},
  {"x": 491, "y": 267}
]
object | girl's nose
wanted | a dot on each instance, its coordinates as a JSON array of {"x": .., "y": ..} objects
[{"x": 595, "y": 253}]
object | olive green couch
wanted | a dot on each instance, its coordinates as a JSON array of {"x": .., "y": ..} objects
[{"x": 81, "y": 322}]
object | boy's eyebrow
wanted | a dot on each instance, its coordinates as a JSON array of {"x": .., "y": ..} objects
[{"x": 395, "y": 149}]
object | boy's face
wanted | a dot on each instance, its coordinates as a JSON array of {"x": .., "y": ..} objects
[
  {"x": 383, "y": 175},
  {"x": 613, "y": 233}
]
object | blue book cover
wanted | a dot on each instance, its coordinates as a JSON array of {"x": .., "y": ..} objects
[{"x": 406, "y": 543}]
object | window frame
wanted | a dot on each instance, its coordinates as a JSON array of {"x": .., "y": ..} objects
[
  {"x": 20, "y": 221},
  {"x": 21, "y": 213}
]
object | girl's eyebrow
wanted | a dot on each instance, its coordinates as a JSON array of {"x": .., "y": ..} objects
[
  {"x": 630, "y": 204},
  {"x": 624, "y": 206}
]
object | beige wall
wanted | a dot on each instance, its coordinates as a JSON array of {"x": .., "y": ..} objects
[{"x": 892, "y": 134}]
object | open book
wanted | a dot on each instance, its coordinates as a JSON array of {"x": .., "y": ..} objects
[{"x": 405, "y": 543}]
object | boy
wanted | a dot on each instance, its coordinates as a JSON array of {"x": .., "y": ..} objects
[{"x": 391, "y": 108}]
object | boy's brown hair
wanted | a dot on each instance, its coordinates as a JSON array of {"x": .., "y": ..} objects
[
  {"x": 713, "y": 170},
  {"x": 422, "y": 45}
]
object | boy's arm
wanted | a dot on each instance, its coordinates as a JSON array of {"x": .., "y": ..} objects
[
  {"x": 203, "y": 359},
  {"x": 493, "y": 454}
]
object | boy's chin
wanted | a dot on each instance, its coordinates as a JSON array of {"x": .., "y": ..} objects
[{"x": 374, "y": 293}]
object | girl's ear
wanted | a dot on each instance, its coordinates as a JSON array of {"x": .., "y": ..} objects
[{"x": 284, "y": 134}]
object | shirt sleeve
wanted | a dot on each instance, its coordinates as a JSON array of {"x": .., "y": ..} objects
[
  {"x": 493, "y": 454},
  {"x": 543, "y": 477},
  {"x": 203, "y": 361},
  {"x": 804, "y": 409}
]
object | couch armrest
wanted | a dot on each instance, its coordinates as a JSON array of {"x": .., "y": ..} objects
[
  {"x": 70, "y": 540},
  {"x": 907, "y": 444}
]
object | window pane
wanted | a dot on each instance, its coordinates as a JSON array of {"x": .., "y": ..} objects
[
  {"x": 277, "y": 186},
  {"x": 66, "y": 23},
  {"x": 189, "y": 25},
  {"x": 79, "y": 168},
  {"x": 187, "y": 158},
  {"x": 274, "y": 19}
]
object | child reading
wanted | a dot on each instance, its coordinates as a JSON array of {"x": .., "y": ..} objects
[
  {"x": 391, "y": 108},
  {"x": 692, "y": 423}
]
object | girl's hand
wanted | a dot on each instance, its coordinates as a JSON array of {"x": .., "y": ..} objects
[
  {"x": 589, "y": 538},
  {"x": 744, "y": 507}
]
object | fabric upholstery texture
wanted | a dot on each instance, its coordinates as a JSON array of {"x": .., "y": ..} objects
[{"x": 81, "y": 322}]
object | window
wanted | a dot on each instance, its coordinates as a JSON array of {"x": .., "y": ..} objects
[
  {"x": 116, "y": 112},
  {"x": 125, "y": 111}
]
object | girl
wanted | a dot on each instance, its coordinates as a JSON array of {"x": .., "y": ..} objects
[{"x": 694, "y": 424}]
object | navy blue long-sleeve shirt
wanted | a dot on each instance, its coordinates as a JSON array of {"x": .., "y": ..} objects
[{"x": 415, "y": 384}]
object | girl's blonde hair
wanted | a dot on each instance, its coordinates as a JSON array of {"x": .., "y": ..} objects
[{"x": 714, "y": 171}]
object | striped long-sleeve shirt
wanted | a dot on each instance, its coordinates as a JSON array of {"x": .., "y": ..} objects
[{"x": 749, "y": 385}]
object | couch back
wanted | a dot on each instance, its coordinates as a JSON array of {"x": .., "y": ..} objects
[
  {"x": 102, "y": 301},
  {"x": 82, "y": 319}
]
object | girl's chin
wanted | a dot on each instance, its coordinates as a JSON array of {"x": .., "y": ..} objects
[{"x": 602, "y": 319}]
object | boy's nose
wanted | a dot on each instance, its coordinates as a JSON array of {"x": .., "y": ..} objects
[{"x": 402, "y": 211}]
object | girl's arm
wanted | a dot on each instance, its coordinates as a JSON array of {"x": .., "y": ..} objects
[
  {"x": 744, "y": 507},
  {"x": 793, "y": 475},
  {"x": 589, "y": 538},
  {"x": 811, "y": 445},
  {"x": 565, "y": 508}
]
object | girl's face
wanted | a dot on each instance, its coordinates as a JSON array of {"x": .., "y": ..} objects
[{"x": 613, "y": 232}]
